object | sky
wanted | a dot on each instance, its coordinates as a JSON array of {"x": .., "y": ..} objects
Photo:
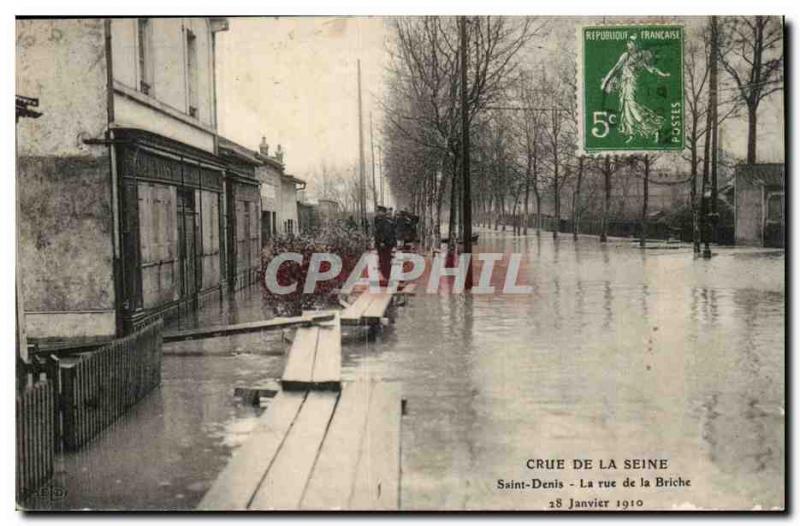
[{"x": 293, "y": 80}]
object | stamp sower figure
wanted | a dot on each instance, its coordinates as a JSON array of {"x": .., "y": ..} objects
[
  {"x": 385, "y": 241},
  {"x": 635, "y": 118}
]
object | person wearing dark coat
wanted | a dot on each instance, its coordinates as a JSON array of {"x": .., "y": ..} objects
[{"x": 385, "y": 241}]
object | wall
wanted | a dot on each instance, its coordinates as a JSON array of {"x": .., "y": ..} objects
[
  {"x": 288, "y": 206},
  {"x": 165, "y": 109},
  {"x": 748, "y": 213},
  {"x": 750, "y": 183},
  {"x": 63, "y": 185},
  {"x": 270, "y": 179}
]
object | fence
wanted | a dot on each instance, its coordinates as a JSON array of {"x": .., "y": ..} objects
[
  {"x": 721, "y": 234},
  {"x": 36, "y": 424},
  {"x": 102, "y": 385}
]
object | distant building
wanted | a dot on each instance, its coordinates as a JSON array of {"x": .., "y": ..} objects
[
  {"x": 308, "y": 217},
  {"x": 268, "y": 174},
  {"x": 288, "y": 215},
  {"x": 759, "y": 205},
  {"x": 328, "y": 210},
  {"x": 121, "y": 188},
  {"x": 279, "y": 194}
]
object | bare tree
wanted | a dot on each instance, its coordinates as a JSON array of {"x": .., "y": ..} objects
[
  {"x": 610, "y": 166},
  {"x": 560, "y": 129},
  {"x": 751, "y": 51},
  {"x": 696, "y": 74},
  {"x": 425, "y": 82},
  {"x": 531, "y": 126}
]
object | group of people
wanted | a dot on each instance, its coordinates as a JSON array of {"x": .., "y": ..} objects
[{"x": 389, "y": 228}]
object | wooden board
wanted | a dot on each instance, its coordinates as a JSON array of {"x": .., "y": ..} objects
[
  {"x": 239, "y": 328},
  {"x": 377, "y": 482},
  {"x": 352, "y": 314},
  {"x": 331, "y": 483},
  {"x": 285, "y": 481},
  {"x": 237, "y": 483},
  {"x": 327, "y": 373},
  {"x": 318, "y": 451},
  {"x": 299, "y": 368},
  {"x": 377, "y": 307}
]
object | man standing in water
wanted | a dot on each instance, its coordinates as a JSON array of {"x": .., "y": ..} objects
[{"x": 385, "y": 241}]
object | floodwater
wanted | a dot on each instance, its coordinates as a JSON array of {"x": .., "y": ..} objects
[{"x": 618, "y": 353}]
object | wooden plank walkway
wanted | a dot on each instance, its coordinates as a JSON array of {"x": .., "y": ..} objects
[
  {"x": 315, "y": 358},
  {"x": 318, "y": 450},
  {"x": 322, "y": 444},
  {"x": 253, "y": 326},
  {"x": 368, "y": 309}
]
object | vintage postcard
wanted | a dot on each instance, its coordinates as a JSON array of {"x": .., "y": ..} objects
[{"x": 422, "y": 263}]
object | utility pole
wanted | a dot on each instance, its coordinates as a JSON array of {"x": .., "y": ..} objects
[
  {"x": 467, "y": 205},
  {"x": 380, "y": 165},
  {"x": 372, "y": 150},
  {"x": 711, "y": 210},
  {"x": 362, "y": 180}
]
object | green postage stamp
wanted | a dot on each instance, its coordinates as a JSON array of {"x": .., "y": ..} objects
[{"x": 632, "y": 88}]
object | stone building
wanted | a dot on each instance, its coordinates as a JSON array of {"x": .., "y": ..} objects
[{"x": 121, "y": 187}]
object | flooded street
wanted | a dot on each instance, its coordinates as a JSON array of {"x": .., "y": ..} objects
[{"x": 619, "y": 353}]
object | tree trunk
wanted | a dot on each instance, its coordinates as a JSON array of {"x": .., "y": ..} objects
[
  {"x": 752, "y": 119},
  {"x": 496, "y": 212},
  {"x": 693, "y": 197},
  {"x": 606, "y": 199},
  {"x": 514, "y": 215},
  {"x": 503, "y": 212},
  {"x": 556, "y": 201},
  {"x": 576, "y": 198},
  {"x": 437, "y": 227},
  {"x": 527, "y": 197},
  {"x": 645, "y": 195},
  {"x": 451, "y": 225}
]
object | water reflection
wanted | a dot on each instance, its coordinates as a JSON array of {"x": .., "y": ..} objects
[
  {"x": 650, "y": 358},
  {"x": 618, "y": 352}
]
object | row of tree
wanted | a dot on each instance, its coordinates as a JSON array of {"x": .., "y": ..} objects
[{"x": 523, "y": 122}]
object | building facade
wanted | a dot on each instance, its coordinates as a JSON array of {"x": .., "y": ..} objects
[
  {"x": 279, "y": 194},
  {"x": 243, "y": 195},
  {"x": 269, "y": 174},
  {"x": 759, "y": 205},
  {"x": 288, "y": 217},
  {"x": 121, "y": 187}
]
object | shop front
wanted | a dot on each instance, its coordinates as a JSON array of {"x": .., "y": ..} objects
[{"x": 172, "y": 217}]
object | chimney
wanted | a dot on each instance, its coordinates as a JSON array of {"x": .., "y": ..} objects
[
  {"x": 263, "y": 148},
  {"x": 279, "y": 154}
]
